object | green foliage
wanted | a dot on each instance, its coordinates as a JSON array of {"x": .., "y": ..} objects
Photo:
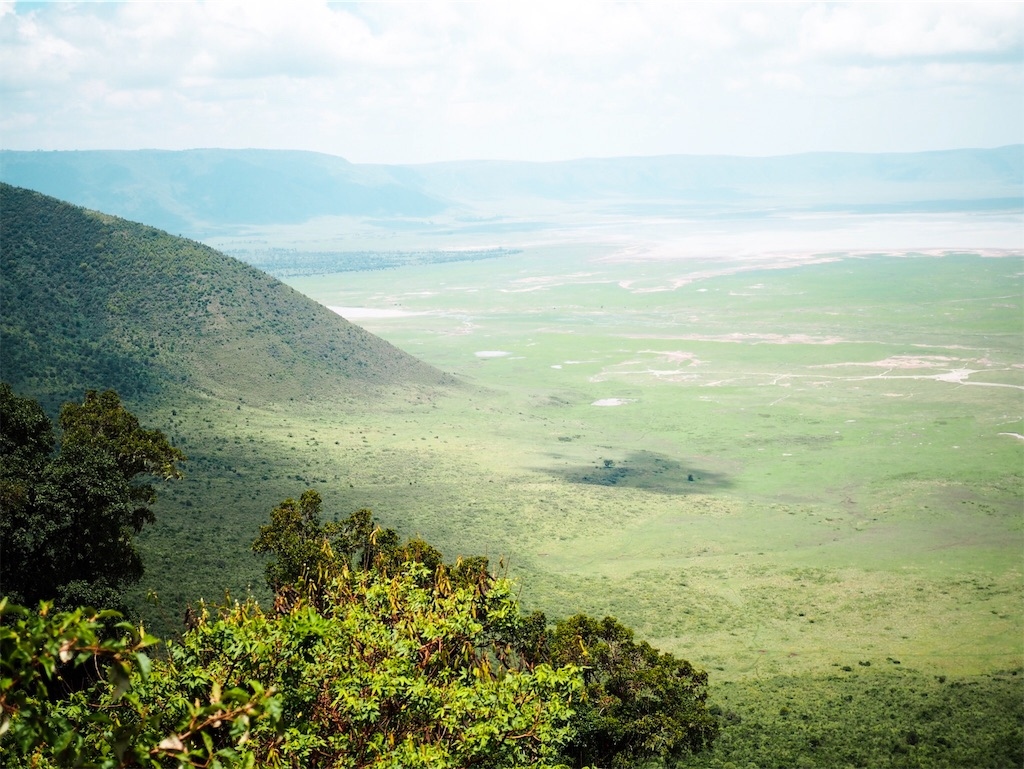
[
  {"x": 641, "y": 704},
  {"x": 68, "y": 521},
  {"x": 298, "y": 540},
  {"x": 390, "y": 671},
  {"x": 307, "y": 549},
  {"x": 74, "y": 694},
  {"x": 636, "y": 703},
  {"x": 382, "y": 671},
  {"x": 26, "y": 441},
  {"x": 102, "y": 422}
]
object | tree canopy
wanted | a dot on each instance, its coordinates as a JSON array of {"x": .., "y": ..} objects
[
  {"x": 639, "y": 703},
  {"x": 635, "y": 702},
  {"x": 68, "y": 519},
  {"x": 379, "y": 672}
]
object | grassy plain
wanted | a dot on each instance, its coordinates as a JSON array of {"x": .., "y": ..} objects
[
  {"x": 856, "y": 494},
  {"x": 800, "y": 469},
  {"x": 851, "y": 421}
]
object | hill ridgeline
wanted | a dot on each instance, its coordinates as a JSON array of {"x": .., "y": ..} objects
[{"x": 91, "y": 301}]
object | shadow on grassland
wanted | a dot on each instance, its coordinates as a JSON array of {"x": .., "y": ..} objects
[{"x": 644, "y": 470}]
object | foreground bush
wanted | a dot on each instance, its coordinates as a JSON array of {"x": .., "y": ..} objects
[
  {"x": 391, "y": 671},
  {"x": 382, "y": 672},
  {"x": 76, "y": 689},
  {"x": 634, "y": 703}
]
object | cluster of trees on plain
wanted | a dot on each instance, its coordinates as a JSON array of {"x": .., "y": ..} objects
[
  {"x": 282, "y": 262},
  {"x": 375, "y": 653}
]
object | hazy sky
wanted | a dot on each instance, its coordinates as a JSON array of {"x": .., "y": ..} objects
[{"x": 398, "y": 82}]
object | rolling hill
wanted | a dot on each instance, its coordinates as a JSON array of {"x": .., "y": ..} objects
[{"x": 94, "y": 301}]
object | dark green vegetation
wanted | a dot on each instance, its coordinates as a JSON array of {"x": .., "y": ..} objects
[
  {"x": 68, "y": 520},
  {"x": 861, "y": 716},
  {"x": 95, "y": 302},
  {"x": 283, "y": 263},
  {"x": 639, "y": 704}
]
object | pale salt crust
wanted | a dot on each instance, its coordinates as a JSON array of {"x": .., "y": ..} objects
[{"x": 359, "y": 313}]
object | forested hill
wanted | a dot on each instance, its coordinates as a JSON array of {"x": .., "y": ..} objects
[{"x": 89, "y": 300}]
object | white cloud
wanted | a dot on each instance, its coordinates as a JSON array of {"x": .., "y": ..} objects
[
  {"x": 396, "y": 82},
  {"x": 915, "y": 30},
  {"x": 784, "y": 80}
]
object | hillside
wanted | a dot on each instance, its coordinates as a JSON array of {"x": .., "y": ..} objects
[
  {"x": 93, "y": 301},
  {"x": 202, "y": 193}
]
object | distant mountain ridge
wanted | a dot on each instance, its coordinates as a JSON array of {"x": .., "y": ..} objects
[
  {"x": 200, "y": 192},
  {"x": 92, "y": 301},
  {"x": 196, "y": 191},
  {"x": 822, "y": 177}
]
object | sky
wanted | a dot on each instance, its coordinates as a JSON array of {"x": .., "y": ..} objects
[{"x": 414, "y": 82}]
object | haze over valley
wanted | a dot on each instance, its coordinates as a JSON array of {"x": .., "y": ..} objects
[{"x": 722, "y": 351}]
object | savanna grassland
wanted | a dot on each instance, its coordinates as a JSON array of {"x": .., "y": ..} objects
[
  {"x": 801, "y": 470},
  {"x": 782, "y": 451},
  {"x": 846, "y": 560},
  {"x": 769, "y": 470}
]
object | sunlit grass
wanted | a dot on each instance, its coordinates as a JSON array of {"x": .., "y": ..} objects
[
  {"x": 845, "y": 504},
  {"x": 805, "y": 405}
]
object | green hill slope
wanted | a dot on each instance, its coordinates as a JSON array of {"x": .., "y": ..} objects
[{"x": 93, "y": 301}]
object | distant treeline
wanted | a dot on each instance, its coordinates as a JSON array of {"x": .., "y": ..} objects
[{"x": 286, "y": 262}]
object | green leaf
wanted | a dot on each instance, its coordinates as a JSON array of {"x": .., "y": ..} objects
[{"x": 145, "y": 665}]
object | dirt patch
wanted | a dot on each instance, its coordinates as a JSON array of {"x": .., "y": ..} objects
[
  {"x": 675, "y": 356},
  {"x": 741, "y": 338},
  {"x": 958, "y": 375},
  {"x": 901, "y": 362}
]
